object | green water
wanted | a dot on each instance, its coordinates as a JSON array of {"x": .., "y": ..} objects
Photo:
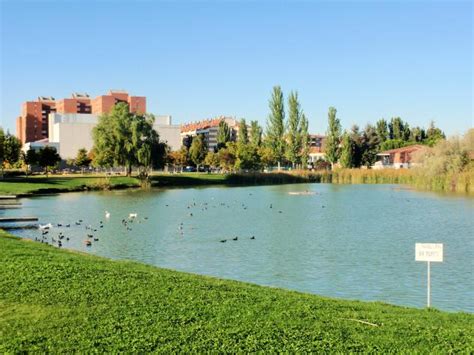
[{"x": 346, "y": 241}]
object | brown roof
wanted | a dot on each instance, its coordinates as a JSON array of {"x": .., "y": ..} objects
[
  {"x": 204, "y": 124},
  {"x": 408, "y": 149}
]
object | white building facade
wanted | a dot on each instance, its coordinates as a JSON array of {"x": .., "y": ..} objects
[{"x": 72, "y": 131}]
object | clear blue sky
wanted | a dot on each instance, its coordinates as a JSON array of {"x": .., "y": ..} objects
[{"x": 200, "y": 59}]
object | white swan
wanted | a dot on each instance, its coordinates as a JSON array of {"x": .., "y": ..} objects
[
  {"x": 45, "y": 226},
  {"x": 133, "y": 215},
  {"x": 107, "y": 214}
]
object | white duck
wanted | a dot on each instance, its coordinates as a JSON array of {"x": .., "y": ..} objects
[
  {"x": 107, "y": 214},
  {"x": 45, "y": 226}
]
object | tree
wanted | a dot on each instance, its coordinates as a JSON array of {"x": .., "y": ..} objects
[
  {"x": 255, "y": 134},
  {"x": 47, "y": 158},
  {"x": 399, "y": 130},
  {"x": 223, "y": 134},
  {"x": 82, "y": 159},
  {"x": 30, "y": 158},
  {"x": 433, "y": 135},
  {"x": 125, "y": 139},
  {"x": 382, "y": 130},
  {"x": 276, "y": 125},
  {"x": 247, "y": 157},
  {"x": 243, "y": 132},
  {"x": 179, "y": 158},
  {"x": 198, "y": 150},
  {"x": 356, "y": 146},
  {"x": 212, "y": 159},
  {"x": 294, "y": 142},
  {"x": 227, "y": 157},
  {"x": 2, "y": 150},
  {"x": 346, "y": 151},
  {"x": 370, "y": 145},
  {"x": 417, "y": 135},
  {"x": 267, "y": 156},
  {"x": 333, "y": 137},
  {"x": 392, "y": 144},
  {"x": 11, "y": 149},
  {"x": 304, "y": 141}
]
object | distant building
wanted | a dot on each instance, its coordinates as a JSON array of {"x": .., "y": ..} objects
[
  {"x": 169, "y": 133},
  {"x": 209, "y": 129},
  {"x": 70, "y": 132},
  {"x": 36, "y": 146},
  {"x": 397, "y": 158},
  {"x": 316, "y": 148},
  {"x": 33, "y": 123}
]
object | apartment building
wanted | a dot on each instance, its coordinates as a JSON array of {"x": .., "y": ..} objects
[
  {"x": 208, "y": 129},
  {"x": 33, "y": 124}
]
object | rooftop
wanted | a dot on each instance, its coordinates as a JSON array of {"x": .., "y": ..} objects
[
  {"x": 407, "y": 149},
  {"x": 204, "y": 124}
]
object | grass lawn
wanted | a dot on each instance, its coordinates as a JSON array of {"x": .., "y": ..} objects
[
  {"x": 22, "y": 185},
  {"x": 61, "y": 183},
  {"x": 62, "y": 301}
]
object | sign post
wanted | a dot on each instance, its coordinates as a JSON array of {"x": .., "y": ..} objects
[{"x": 429, "y": 252}]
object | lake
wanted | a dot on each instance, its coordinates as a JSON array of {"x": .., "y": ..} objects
[{"x": 345, "y": 241}]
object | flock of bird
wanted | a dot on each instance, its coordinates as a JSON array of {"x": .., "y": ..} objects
[
  {"x": 127, "y": 223},
  {"x": 58, "y": 240}
]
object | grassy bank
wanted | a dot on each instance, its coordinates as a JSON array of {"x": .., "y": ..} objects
[
  {"x": 60, "y": 301},
  {"x": 462, "y": 182},
  {"x": 43, "y": 184}
]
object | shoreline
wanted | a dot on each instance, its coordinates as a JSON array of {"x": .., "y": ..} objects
[
  {"x": 40, "y": 185},
  {"x": 158, "y": 309}
]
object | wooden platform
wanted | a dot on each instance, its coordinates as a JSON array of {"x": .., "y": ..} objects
[
  {"x": 18, "y": 219},
  {"x": 7, "y": 197}
]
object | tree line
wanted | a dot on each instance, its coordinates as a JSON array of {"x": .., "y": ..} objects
[
  {"x": 355, "y": 148},
  {"x": 125, "y": 139},
  {"x": 284, "y": 142}
]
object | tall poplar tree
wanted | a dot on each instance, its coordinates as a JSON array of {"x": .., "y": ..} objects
[
  {"x": 276, "y": 125},
  {"x": 333, "y": 137},
  {"x": 223, "y": 134},
  {"x": 293, "y": 142},
  {"x": 382, "y": 130},
  {"x": 346, "y": 151},
  {"x": 243, "y": 132},
  {"x": 304, "y": 136},
  {"x": 2, "y": 152},
  {"x": 255, "y": 134}
]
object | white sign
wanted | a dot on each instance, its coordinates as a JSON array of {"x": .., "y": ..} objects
[{"x": 429, "y": 252}]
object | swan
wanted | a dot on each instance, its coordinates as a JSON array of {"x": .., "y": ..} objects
[
  {"x": 107, "y": 214},
  {"x": 45, "y": 226},
  {"x": 133, "y": 215}
]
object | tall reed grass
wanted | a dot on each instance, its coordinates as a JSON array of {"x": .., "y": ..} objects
[{"x": 462, "y": 182}]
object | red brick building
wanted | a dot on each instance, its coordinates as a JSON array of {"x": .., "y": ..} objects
[
  {"x": 32, "y": 125},
  {"x": 397, "y": 158}
]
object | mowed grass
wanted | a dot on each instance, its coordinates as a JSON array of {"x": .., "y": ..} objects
[
  {"x": 55, "y": 183},
  {"x": 55, "y": 300},
  {"x": 38, "y": 184}
]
